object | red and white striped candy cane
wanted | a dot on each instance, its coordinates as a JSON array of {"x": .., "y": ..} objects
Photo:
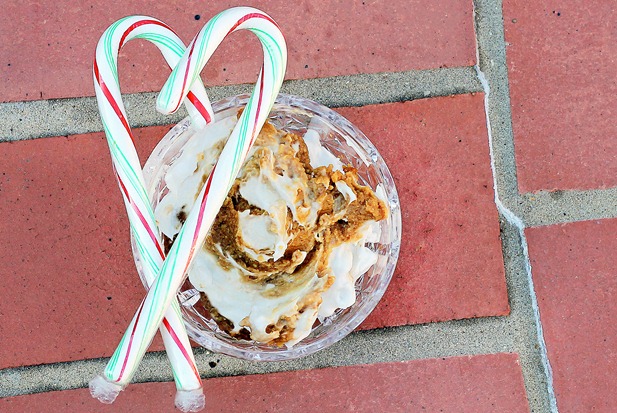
[
  {"x": 130, "y": 179},
  {"x": 192, "y": 234}
]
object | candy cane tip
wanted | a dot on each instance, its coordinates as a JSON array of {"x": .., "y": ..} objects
[
  {"x": 104, "y": 390},
  {"x": 190, "y": 400},
  {"x": 162, "y": 109}
]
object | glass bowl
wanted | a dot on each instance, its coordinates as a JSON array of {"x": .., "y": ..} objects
[{"x": 351, "y": 146}]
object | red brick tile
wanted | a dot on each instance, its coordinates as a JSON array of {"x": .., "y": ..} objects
[
  {"x": 450, "y": 265},
  {"x": 68, "y": 282},
  {"x": 69, "y": 270},
  {"x": 47, "y": 49},
  {"x": 491, "y": 383},
  {"x": 561, "y": 58},
  {"x": 573, "y": 269}
]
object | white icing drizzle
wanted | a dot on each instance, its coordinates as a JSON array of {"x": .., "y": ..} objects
[{"x": 264, "y": 237}]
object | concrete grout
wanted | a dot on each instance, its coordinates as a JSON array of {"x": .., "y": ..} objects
[
  {"x": 412, "y": 342},
  {"x": 546, "y": 364},
  {"x": 560, "y": 207},
  {"x": 58, "y": 117},
  {"x": 525, "y": 324},
  {"x": 492, "y": 73}
]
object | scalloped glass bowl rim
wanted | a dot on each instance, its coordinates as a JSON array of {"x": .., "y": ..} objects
[{"x": 335, "y": 331}]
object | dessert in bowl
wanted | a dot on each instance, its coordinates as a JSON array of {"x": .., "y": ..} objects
[{"x": 305, "y": 243}]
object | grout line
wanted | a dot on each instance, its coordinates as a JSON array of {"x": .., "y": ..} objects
[
  {"x": 561, "y": 207},
  {"x": 536, "y": 312},
  {"x": 517, "y": 222},
  {"x": 531, "y": 346},
  {"x": 411, "y": 342},
  {"x": 59, "y": 117},
  {"x": 509, "y": 215},
  {"x": 508, "y": 177}
]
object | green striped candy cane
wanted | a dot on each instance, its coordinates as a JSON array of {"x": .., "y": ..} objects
[
  {"x": 130, "y": 179},
  {"x": 150, "y": 312}
]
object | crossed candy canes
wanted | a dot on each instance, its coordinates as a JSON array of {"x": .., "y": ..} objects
[{"x": 164, "y": 275}]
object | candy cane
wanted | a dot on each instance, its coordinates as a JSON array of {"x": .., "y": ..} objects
[
  {"x": 143, "y": 326},
  {"x": 130, "y": 179}
]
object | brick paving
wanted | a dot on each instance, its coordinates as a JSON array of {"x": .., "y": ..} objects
[
  {"x": 468, "y": 264},
  {"x": 476, "y": 384}
]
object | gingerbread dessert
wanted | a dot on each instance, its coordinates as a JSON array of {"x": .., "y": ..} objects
[{"x": 288, "y": 244}]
